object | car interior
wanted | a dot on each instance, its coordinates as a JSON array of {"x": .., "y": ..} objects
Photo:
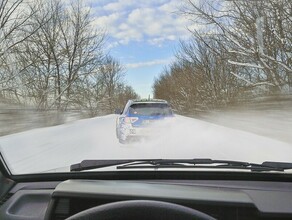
[
  {"x": 146, "y": 195},
  {"x": 200, "y": 91}
]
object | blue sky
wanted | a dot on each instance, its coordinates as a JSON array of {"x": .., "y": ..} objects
[{"x": 142, "y": 35}]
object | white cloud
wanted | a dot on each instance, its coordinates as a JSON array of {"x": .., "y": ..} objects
[
  {"x": 107, "y": 21},
  {"x": 152, "y": 21},
  {"x": 112, "y": 45},
  {"x": 119, "y": 5},
  {"x": 147, "y": 63}
]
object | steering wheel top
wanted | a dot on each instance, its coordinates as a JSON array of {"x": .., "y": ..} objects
[{"x": 142, "y": 210}]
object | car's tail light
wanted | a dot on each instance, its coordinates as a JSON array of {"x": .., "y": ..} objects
[{"x": 130, "y": 120}]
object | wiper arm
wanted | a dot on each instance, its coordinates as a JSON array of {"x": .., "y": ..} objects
[
  {"x": 206, "y": 163},
  {"x": 180, "y": 163},
  {"x": 94, "y": 164}
]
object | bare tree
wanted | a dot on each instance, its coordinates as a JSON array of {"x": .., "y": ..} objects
[
  {"x": 15, "y": 28},
  {"x": 55, "y": 59},
  {"x": 42, "y": 57},
  {"x": 238, "y": 50},
  {"x": 256, "y": 33},
  {"x": 198, "y": 80},
  {"x": 111, "y": 74},
  {"x": 95, "y": 98},
  {"x": 82, "y": 46},
  {"x": 61, "y": 54}
]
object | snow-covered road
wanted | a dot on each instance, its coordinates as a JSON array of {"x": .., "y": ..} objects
[{"x": 54, "y": 147}]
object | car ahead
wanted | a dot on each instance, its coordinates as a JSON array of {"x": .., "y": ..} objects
[{"x": 138, "y": 117}]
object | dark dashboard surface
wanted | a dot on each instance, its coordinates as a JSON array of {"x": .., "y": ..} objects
[{"x": 220, "y": 199}]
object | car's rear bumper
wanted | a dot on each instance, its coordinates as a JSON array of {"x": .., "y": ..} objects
[
  {"x": 134, "y": 131},
  {"x": 152, "y": 130}
]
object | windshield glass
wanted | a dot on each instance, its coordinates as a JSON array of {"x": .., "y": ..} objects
[
  {"x": 168, "y": 79},
  {"x": 150, "y": 109}
]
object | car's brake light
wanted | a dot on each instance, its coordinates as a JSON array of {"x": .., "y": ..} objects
[{"x": 130, "y": 120}]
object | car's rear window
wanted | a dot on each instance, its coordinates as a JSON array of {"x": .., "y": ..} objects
[{"x": 150, "y": 109}]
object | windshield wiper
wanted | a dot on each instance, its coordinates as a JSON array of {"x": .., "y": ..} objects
[
  {"x": 180, "y": 163},
  {"x": 94, "y": 164}
]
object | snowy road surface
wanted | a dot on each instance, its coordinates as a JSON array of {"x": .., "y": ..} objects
[{"x": 54, "y": 147}]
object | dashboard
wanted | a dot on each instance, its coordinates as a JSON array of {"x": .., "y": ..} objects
[{"x": 221, "y": 199}]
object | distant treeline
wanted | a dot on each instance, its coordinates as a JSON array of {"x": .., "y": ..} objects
[{"x": 239, "y": 50}]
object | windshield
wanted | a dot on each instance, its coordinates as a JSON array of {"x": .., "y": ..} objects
[
  {"x": 125, "y": 80},
  {"x": 150, "y": 109}
]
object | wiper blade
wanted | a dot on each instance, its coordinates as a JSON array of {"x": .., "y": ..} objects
[
  {"x": 180, "y": 163},
  {"x": 95, "y": 164},
  {"x": 207, "y": 163},
  {"x": 280, "y": 165}
]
